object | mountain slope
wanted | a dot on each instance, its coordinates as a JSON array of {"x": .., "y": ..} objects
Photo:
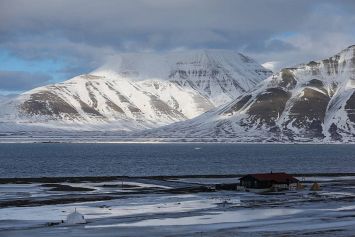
[
  {"x": 310, "y": 102},
  {"x": 218, "y": 75},
  {"x": 136, "y": 91},
  {"x": 2, "y": 97}
]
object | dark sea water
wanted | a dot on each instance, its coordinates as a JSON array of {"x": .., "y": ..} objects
[{"x": 50, "y": 160}]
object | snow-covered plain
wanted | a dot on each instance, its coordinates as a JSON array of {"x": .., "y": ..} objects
[{"x": 327, "y": 213}]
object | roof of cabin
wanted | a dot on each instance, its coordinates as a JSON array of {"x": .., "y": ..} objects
[{"x": 278, "y": 177}]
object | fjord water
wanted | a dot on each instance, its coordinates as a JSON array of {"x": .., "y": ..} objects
[{"x": 70, "y": 159}]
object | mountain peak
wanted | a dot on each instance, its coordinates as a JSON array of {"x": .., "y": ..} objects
[
  {"x": 141, "y": 66},
  {"x": 350, "y": 49},
  {"x": 139, "y": 91},
  {"x": 343, "y": 58},
  {"x": 309, "y": 103}
]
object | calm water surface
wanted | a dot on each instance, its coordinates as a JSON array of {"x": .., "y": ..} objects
[{"x": 49, "y": 160}]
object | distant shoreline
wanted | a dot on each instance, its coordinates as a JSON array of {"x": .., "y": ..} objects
[
  {"x": 173, "y": 142},
  {"x": 79, "y": 179}
]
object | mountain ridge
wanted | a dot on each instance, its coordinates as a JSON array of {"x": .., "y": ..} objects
[
  {"x": 136, "y": 91},
  {"x": 313, "y": 102},
  {"x": 2, "y": 98}
]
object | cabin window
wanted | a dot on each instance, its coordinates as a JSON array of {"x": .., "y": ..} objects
[{"x": 255, "y": 183}]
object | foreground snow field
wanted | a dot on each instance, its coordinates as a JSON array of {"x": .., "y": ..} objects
[{"x": 150, "y": 207}]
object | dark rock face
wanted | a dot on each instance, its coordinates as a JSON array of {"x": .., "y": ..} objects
[
  {"x": 332, "y": 66},
  {"x": 87, "y": 109},
  {"x": 240, "y": 104},
  {"x": 315, "y": 83},
  {"x": 333, "y": 130},
  {"x": 350, "y": 107},
  {"x": 311, "y": 106},
  {"x": 47, "y": 103},
  {"x": 308, "y": 112},
  {"x": 131, "y": 107},
  {"x": 269, "y": 105},
  {"x": 114, "y": 107},
  {"x": 162, "y": 107},
  {"x": 287, "y": 81}
]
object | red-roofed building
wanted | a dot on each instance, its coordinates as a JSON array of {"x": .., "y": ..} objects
[{"x": 271, "y": 180}]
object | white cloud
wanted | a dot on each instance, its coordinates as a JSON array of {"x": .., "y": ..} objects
[
  {"x": 20, "y": 80},
  {"x": 86, "y": 33},
  {"x": 271, "y": 65}
]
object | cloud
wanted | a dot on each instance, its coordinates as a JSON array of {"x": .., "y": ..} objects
[
  {"x": 86, "y": 33},
  {"x": 70, "y": 72},
  {"x": 274, "y": 45},
  {"x": 323, "y": 33},
  {"x": 21, "y": 81},
  {"x": 43, "y": 49},
  {"x": 161, "y": 25},
  {"x": 271, "y": 65}
]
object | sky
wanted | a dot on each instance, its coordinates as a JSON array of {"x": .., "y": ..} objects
[{"x": 48, "y": 41}]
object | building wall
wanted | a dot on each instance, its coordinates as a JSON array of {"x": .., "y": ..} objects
[{"x": 251, "y": 182}]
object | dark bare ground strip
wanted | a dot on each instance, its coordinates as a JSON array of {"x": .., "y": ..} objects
[
  {"x": 119, "y": 186},
  {"x": 29, "y": 202},
  {"x": 100, "y": 179},
  {"x": 95, "y": 197},
  {"x": 61, "y": 187},
  {"x": 59, "y": 179}
]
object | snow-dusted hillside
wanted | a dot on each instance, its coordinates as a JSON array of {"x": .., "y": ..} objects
[
  {"x": 135, "y": 91},
  {"x": 2, "y": 97},
  {"x": 218, "y": 75},
  {"x": 7, "y": 97},
  {"x": 311, "y": 102}
]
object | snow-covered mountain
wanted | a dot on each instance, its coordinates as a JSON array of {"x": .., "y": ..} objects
[
  {"x": 2, "y": 97},
  {"x": 7, "y": 97},
  {"x": 136, "y": 91},
  {"x": 314, "y": 102}
]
